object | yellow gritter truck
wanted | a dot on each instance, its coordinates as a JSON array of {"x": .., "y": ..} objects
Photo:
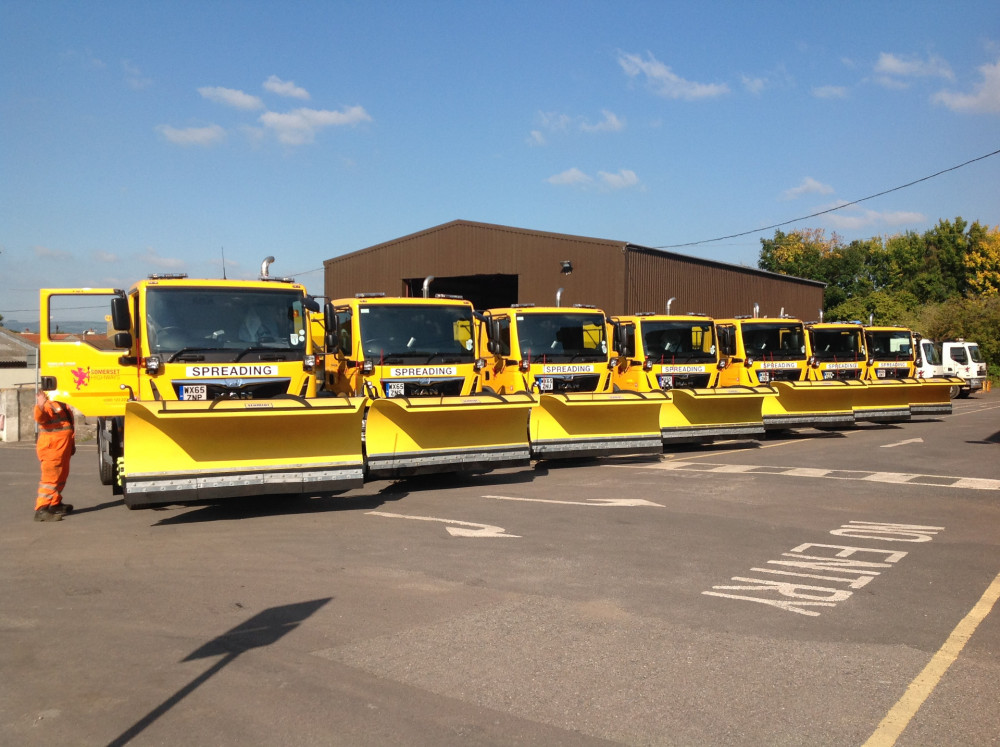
[
  {"x": 205, "y": 389},
  {"x": 414, "y": 360},
  {"x": 562, "y": 357},
  {"x": 678, "y": 354}
]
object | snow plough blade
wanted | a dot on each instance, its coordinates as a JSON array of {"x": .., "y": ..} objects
[
  {"x": 181, "y": 452},
  {"x": 418, "y": 435},
  {"x": 882, "y": 400},
  {"x": 698, "y": 415},
  {"x": 809, "y": 404},
  {"x": 565, "y": 426},
  {"x": 932, "y": 396}
]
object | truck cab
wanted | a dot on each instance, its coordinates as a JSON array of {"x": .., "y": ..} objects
[
  {"x": 838, "y": 350},
  {"x": 963, "y": 359}
]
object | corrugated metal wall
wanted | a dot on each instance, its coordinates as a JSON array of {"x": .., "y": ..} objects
[
  {"x": 611, "y": 275},
  {"x": 716, "y": 289}
]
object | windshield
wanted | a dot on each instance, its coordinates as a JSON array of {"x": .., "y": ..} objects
[
  {"x": 975, "y": 354},
  {"x": 678, "y": 342},
  {"x": 837, "y": 344},
  {"x": 562, "y": 337},
  {"x": 225, "y": 323},
  {"x": 932, "y": 354},
  {"x": 890, "y": 345},
  {"x": 774, "y": 341},
  {"x": 433, "y": 333}
]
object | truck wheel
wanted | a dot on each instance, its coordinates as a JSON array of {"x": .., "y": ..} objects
[
  {"x": 105, "y": 462},
  {"x": 964, "y": 393},
  {"x": 954, "y": 391}
]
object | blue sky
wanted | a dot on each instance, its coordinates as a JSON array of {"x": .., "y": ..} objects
[{"x": 140, "y": 137}]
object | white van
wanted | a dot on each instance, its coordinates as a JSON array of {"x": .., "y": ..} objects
[{"x": 962, "y": 358}]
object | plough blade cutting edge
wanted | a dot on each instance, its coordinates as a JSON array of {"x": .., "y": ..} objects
[
  {"x": 694, "y": 415},
  {"x": 809, "y": 404},
  {"x": 179, "y": 452},
  {"x": 475, "y": 433},
  {"x": 932, "y": 396},
  {"x": 565, "y": 426},
  {"x": 882, "y": 400}
]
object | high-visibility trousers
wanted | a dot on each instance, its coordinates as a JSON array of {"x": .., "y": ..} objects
[{"x": 54, "y": 451}]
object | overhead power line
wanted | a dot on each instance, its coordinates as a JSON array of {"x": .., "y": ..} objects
[{"x": 829, "y": 210}]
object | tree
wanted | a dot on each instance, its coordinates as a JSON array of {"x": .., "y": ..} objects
[{"x": 982, "y": 262}]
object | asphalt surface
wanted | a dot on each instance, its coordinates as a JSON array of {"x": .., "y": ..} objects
[{"x": 740, "y": 594}]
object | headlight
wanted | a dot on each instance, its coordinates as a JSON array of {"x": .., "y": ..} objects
[{"x": 153, "y": 364}]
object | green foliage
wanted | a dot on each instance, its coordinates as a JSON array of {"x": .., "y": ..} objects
[{"x": 944, "y": 283}]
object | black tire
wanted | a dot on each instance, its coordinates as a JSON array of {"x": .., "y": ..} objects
[
  {"x": 105, "y": 462},
  {"x": 954, "y": 391},
  {"x": 964, "y": 393}
]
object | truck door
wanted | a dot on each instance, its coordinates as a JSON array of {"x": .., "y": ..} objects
[{"x": 77, "y": 348}]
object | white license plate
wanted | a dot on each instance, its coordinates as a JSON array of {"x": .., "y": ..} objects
[
  {"x": 665, "y": 382},
  {"x": 880, "y": 373},
  {"x": 545, "y": 384},
  {"x": 763, "y": 376},
  {"x": 395, "y": 389},
  {"x": 194, "y": 391}
]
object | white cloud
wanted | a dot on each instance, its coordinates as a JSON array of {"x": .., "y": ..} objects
[
  {"x": 105, "y": 257},
  {"x": 203, "y": 136},
  {"x": 571, "y": 177},
  {"x": 892, "y": 71},
  {"x": 912, "y": 67},
  {"x": 134, "y": 76},
  {"x": 607, "y": 181},
  {"x": 300, "y": 126},
  {"x": 274, "y": 84},
  {"x": 536, "y": 137},
  {"x": 152, "y": 257},
  {"x": 856, "y": 218},
  {"x": 808, "y": 186},
  {"x": 610, "y": 123},
  {"x": 43, "y": 252},
  {"x": 665, "y": 82},
  {"x": 753, "y": 85},
  {"x": 830, "y": 92},
  {"x": 985, "y": 96},
  {"x": 231, "y": 97},
  {"x": 622, "y": 180}
]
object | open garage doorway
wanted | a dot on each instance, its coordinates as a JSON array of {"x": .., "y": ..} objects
[{"x": 485, "y": 291}]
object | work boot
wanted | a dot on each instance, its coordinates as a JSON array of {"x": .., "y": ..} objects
[
  {"x": 43, "y": 514},
  {"x": 61, "y": 508}
]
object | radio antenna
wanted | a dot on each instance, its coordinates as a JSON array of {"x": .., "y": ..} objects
[{"x": 223, "y": 262}]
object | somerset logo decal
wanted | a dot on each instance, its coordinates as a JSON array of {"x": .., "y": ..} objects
[{"x": 81, "y": 377}]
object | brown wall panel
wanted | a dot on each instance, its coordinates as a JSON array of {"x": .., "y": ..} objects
[{"x": 612, "y": 275}]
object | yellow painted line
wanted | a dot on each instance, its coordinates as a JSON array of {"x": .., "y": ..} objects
[{"x": 902, "y": 713}]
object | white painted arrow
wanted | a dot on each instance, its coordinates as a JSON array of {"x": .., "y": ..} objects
[
  {"x": 463, "y": 528},
  {"x": 605, "y": 502},
  {"x": 903, "y": 443}
]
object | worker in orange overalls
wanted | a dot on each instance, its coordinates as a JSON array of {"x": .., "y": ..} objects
[{"x": 56, "y": 444}]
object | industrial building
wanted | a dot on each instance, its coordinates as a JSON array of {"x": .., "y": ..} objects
[{"x": 497, "y": 266}]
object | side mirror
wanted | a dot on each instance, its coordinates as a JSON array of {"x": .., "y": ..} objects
[
  {"x": 311, "y": 304},
  {"x": 330, "y": 326},
  {"x": 47, "y": 383},
  {"x": 123, "y": 340},
  {"x": 121, "y": 320}
]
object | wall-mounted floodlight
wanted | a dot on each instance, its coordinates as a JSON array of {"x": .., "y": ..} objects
[{"x": 567, "y": 267}]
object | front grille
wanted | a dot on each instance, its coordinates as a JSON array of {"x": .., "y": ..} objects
[
  {"x": 424, "y": 388},
  {"x": 683, "y": 381},
  {"x": 268, "y": 389},
  {"x": 581, "y": 383},
  {"x": 842, "y": 374}
]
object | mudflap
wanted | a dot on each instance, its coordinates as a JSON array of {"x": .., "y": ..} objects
[
  {"x": 882, "y": 400},
  {"x": 932, "y": 397},
  {"x": 421, "y": 435},
  {"x": 184, "y": 452},
  {"x": 566, "y": 426},
  {"x": 809, "y": 404},
  {"x": 700, "y": 415}
]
